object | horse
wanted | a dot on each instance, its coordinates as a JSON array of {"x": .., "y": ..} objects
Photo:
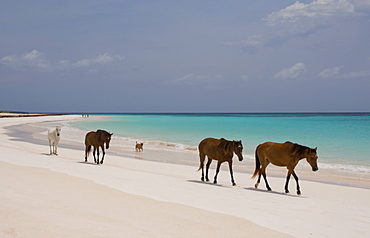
[
  {"x": 97, "y": 139},
  {"x": 54, "y": 137},
  {"x": 221, "y": 150},
  {"x": 283, "y": 154},
  {"x": 139, "y": 146}
]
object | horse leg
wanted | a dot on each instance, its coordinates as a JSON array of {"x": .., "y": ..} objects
[
  {"x": 102, "y": 148},
  {"x": 231, "y": 172},
  {"x": 51, "y": 152},
  {"x": 53, "y": 147},
  {"x": 97, "y": 150},
  {"x": 207, "y": 168},
  {"x": 287, "y": 182},
  {"x": 56, "y": 147},
  {"x": 202, "y": 157},
  {"x": 86, "y": 151},
  {"x": 94, "y": 154},
  {"x": 296, "y": 179},
  {"x": 259, "y": 179},
  {"x": 217, "y": 171},
  {"x": 263, "y": 171}
]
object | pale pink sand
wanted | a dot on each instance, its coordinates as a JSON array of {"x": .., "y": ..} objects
[
  {"x": 61, "y": 196},
  {"x": 36, "y": 202}
]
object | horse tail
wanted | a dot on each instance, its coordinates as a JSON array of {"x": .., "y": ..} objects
[
  {"x": 202, "y": 158},
  {"x": 88, "y": 150},
  {"x": 258, "y": 164}
]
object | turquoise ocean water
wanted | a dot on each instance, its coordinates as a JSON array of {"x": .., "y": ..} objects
[{"x": 343, "y": 139}]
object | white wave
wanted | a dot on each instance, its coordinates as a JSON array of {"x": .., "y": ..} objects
[
  {"x": 247, "y": 156},
  {"x": 345, "y": 167}
]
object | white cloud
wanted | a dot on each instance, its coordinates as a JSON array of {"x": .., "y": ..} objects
[
  {"x": 33, "y": 59},
  {"x": 301, "y": 19},
  {"x": 192, "y": 79},
  {"x": 34, "y": 55},
  {"x": 100, "y": 59},
  {"x": 292, "y": 72},
  {"x": 253, "y": 40},
  {"x": 297, "y": 11},
  {"x": 36, "y": 60},
  {"x": 335, "y": 73},
  {"x": 250, "y": 44},
  {"x": 330, "y": 73}
]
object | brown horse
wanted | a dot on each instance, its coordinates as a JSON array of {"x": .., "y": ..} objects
[
  {"x": 97, "y": 139},
  {"x": 221, "y": 150},
  {"x": 283, "y": 154}
]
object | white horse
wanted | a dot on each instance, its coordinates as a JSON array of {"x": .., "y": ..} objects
[{"x": 54, "y": 137}]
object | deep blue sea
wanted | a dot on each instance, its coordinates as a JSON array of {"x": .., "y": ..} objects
[{"x": 343, "y": 139}]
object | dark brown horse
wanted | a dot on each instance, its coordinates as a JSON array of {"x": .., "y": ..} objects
[
  {"x": 96, "y": 139},
  {"x": 221, "y": 150},
  {"x": 283, "y": 154}
]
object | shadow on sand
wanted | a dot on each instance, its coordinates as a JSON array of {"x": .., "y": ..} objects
[
  {"x": 47, "y": 154},
  {"x": 89, "y": 163},
  {"x": 209, "y": 183},
  {"x": 274, "y": 192}
]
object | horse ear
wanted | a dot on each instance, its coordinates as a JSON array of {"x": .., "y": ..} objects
[
  {"x": 316, "y": 148},
  {"x": 111, "y": 134}
]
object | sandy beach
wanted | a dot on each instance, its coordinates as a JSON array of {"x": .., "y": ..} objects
[{"x": 44, "y": 195}]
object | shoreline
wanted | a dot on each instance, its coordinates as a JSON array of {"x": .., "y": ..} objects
[
  {"x": 16, "y": 114},
  {"x": 160, "y": 151},
  {"x": 322, "y": 210}
]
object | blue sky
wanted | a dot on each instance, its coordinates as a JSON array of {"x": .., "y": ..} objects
[{"x": 185, "y": 56}]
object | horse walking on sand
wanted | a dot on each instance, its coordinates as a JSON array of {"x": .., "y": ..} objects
[
  {"x": 283, "y": 154},
  {"x": 97, "y": 139},
  {"x": 54, "y": 137},
  {"x": 221, "y": 150}
]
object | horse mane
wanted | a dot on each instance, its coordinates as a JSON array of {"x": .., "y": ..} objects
[
  {"x": 226, "y": 144},
  {"x": 102, "y": 131},
  {"x": 299, "y": 150}
]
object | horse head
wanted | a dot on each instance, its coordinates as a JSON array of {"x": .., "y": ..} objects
[
  {"x": 238, "y": 149},
  {"x": 58, "y": 129},
  {"x": 312, "y": 159},
  {"x": 107, "y": 139}
]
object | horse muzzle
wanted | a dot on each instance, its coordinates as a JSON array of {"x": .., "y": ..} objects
[
  {"x": 315, "y": 169},
  {"x": 240, "y": 158}
]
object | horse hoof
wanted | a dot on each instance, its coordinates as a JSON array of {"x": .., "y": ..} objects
[
  {"x": 202, "y": 179},
  {"x": 286, "y": 191},
  {"x": 234, "y": 184},
  {"x": 215, "y": 182},
  {"x": 269, "y": 189},
  {"x": 299, "y": 192}
]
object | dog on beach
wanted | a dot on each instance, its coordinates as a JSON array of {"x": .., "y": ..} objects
[
  {"x": 54, "y": 137},
  {"x": 139, "y": 146}
]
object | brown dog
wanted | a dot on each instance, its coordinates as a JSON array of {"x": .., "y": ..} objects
[{"x": 139, "y": 146}]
